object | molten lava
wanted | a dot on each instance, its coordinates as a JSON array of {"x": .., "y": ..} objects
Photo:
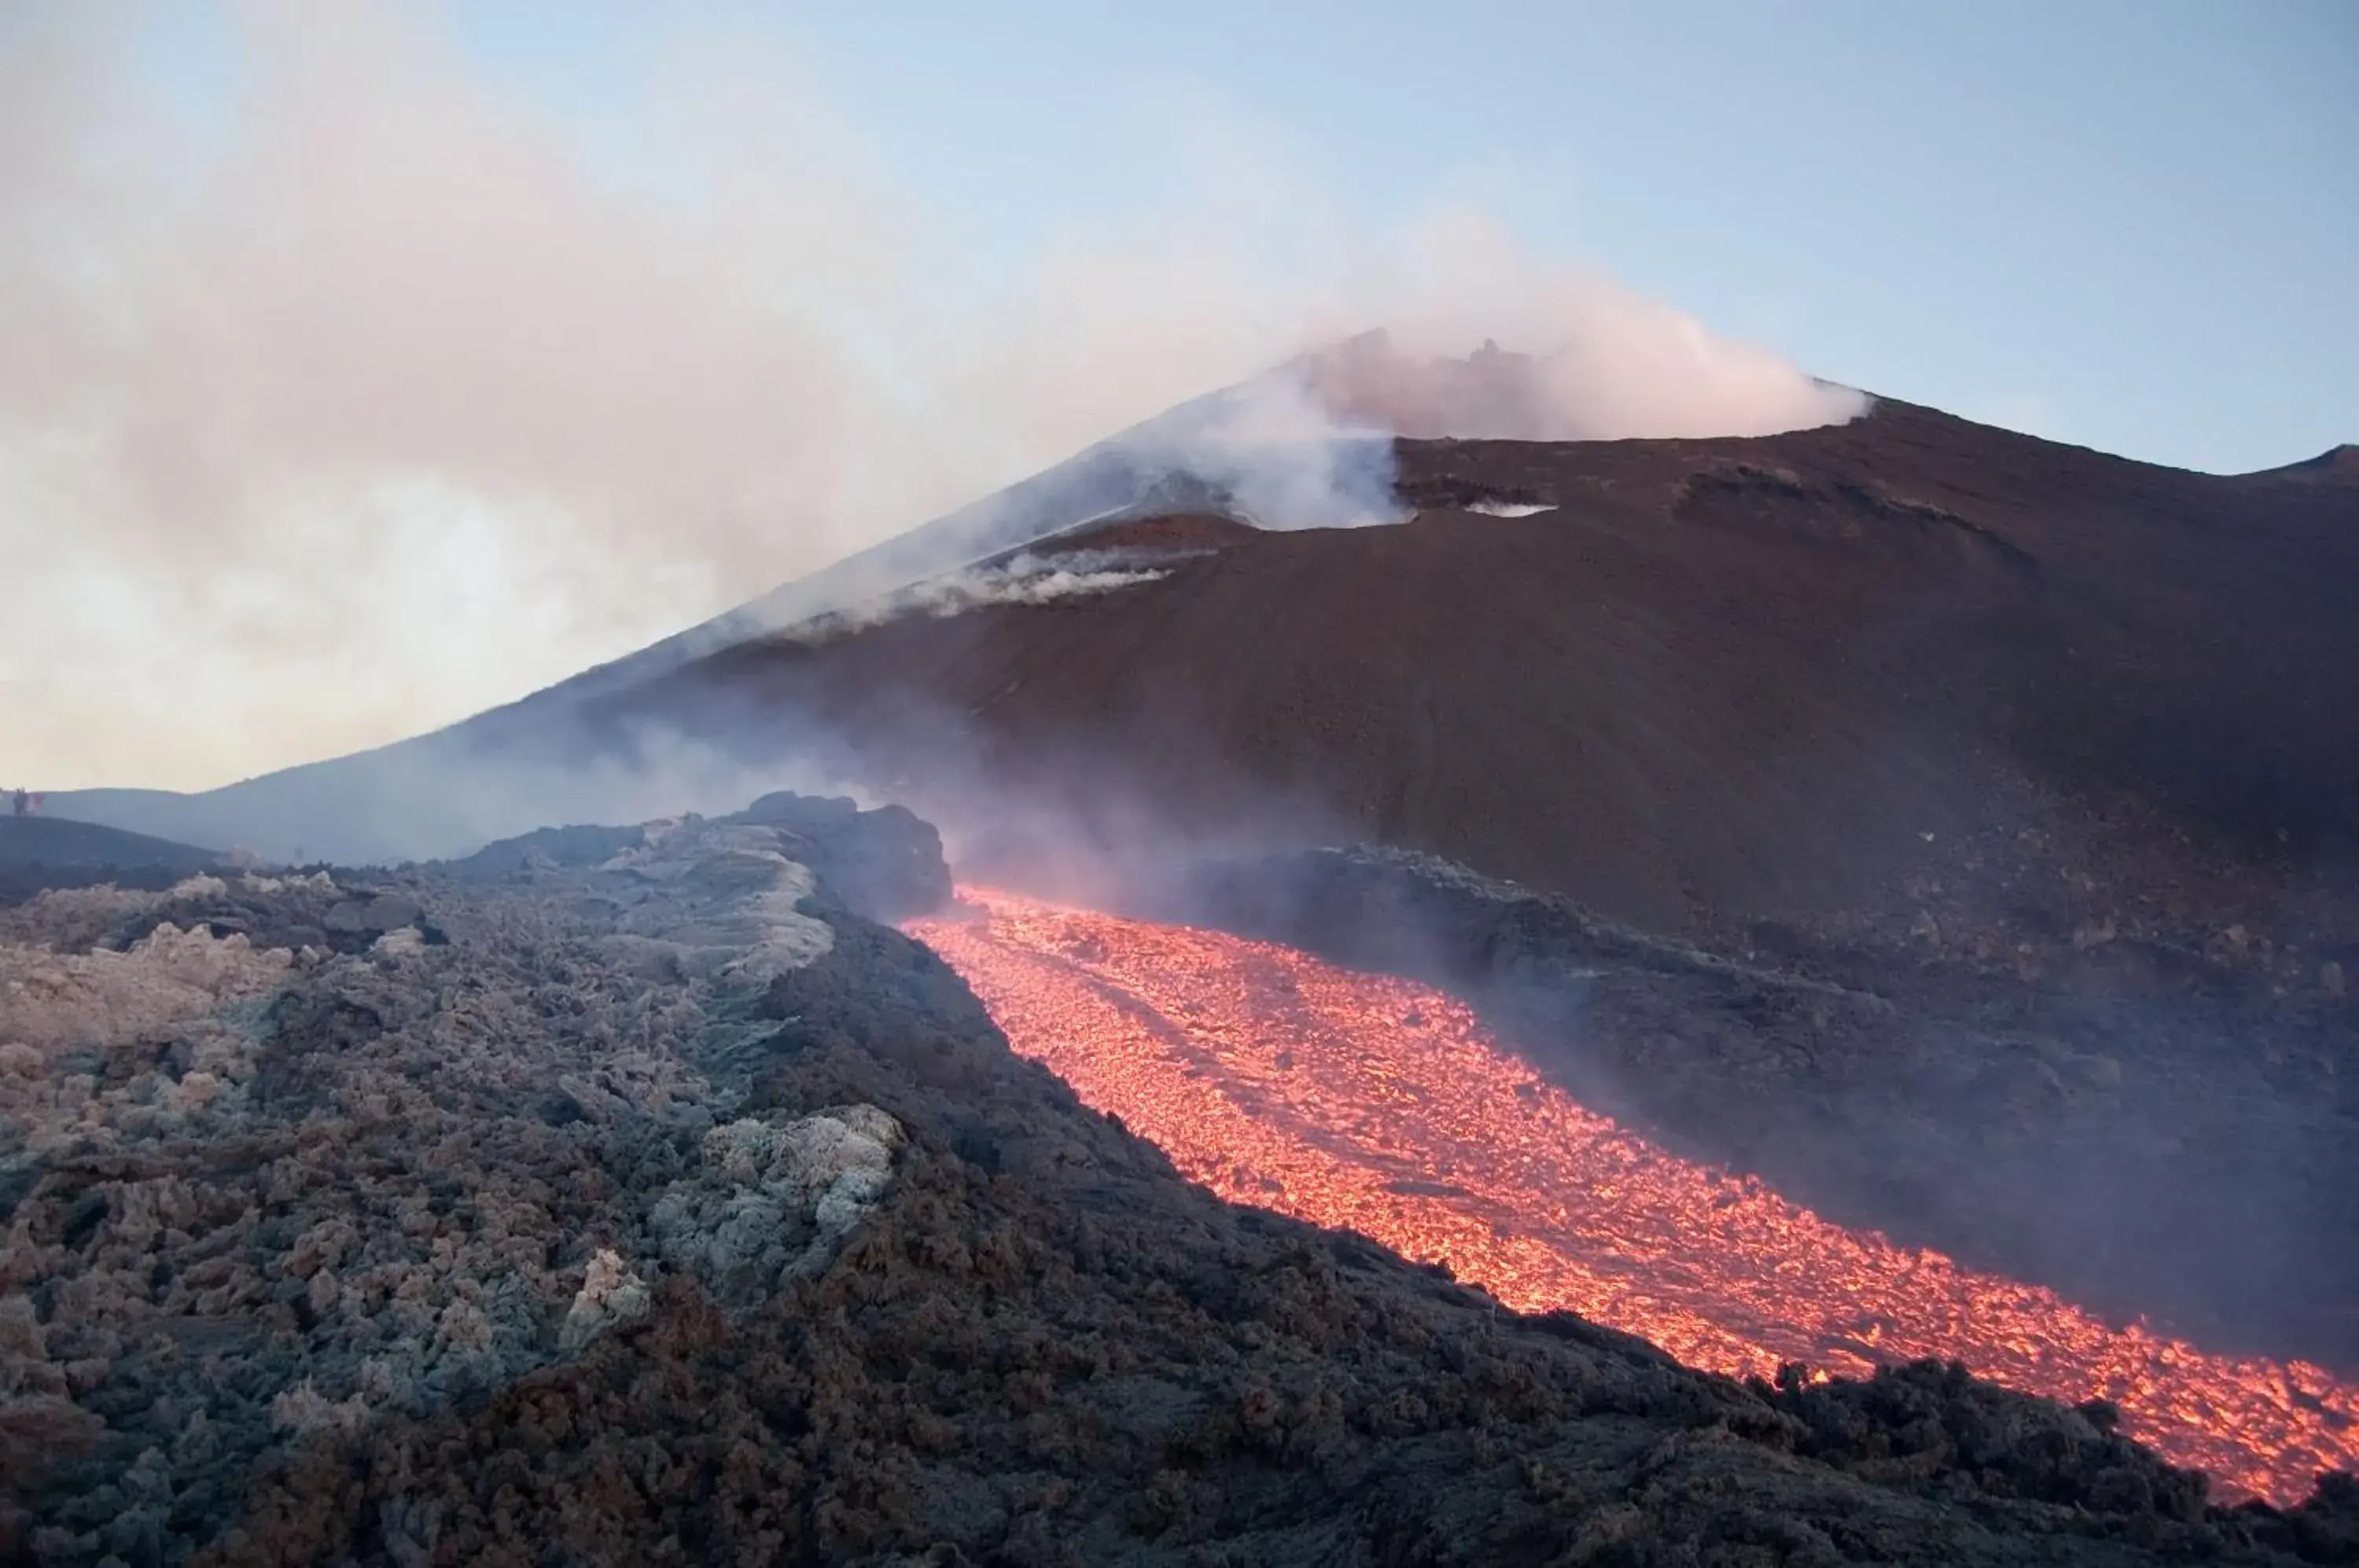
[{"x": 1375, "y": 1105}]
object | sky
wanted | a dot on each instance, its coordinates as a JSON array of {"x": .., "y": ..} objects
[
  {"x": 2131, "y": 226},
  {"x": 364, "y": 363}
]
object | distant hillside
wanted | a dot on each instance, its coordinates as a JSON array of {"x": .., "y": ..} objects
[{"x": 55, "y": 852}]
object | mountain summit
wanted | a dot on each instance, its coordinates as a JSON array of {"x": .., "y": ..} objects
[{"x": 1686, "y": 679}]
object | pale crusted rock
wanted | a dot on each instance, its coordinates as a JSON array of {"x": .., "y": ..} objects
[
  {"x": 744, "y": 893},
  {"x": 259, "y": 882},
  {"x": 197, "y": 1090},
  {"x": 742, "y": 1150},
  {"x": 775, "y": 1202},
  {"x": 303, "y": 1410},
  {"x": 101, "y": 999},
  {"x": 793, "y": 938},
  {"x": 610, "y": 1295},
  {"x": 407, "y": 942},
  {"x": 871, "y": 1122},
  {"x": 804, "y": 1159}
]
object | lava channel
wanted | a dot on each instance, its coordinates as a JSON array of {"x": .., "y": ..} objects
[{"x": 1372, "y": 1104}]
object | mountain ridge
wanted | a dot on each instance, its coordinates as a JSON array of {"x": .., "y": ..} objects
[{"x": 2154, "y": 641}]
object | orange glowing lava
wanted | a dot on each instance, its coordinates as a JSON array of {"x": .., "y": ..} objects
[{"x": 1372, "y": 1104}]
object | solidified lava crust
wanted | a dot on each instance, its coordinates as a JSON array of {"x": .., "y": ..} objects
[
  {"x": 1379, "y": 1105},
  {"x": 630, "y": 1195}
]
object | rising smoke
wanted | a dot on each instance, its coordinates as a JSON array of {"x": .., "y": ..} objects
[
  {"x": 1025, "y": 580},
  {"x": 360, "y": 394}
]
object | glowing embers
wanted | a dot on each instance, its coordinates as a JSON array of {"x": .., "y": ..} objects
[{"x": 1359, "y": 1101}]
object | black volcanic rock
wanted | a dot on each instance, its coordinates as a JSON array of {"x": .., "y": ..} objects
[
  {"x": 525, "y": 1248},
  {"x": 885, "y": 864},
  {"x": 578, "y": 847}
]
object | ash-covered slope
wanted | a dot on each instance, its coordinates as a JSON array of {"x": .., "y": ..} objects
[
  {"x": 634, "y": 1199},
  {"x": 1829, "y": 671}
]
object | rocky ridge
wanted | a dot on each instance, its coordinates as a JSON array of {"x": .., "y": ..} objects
[{"x": 288, "y": 1156}]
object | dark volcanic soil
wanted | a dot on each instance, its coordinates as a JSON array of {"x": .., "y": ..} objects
[
  {"x": 39, "y": 852},
  {"x": 1797, "y": 677}
]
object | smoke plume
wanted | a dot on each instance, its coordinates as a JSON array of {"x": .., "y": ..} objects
[
  {"x": 1026, "y": 580},
  {"x": 357, "y": 393}
]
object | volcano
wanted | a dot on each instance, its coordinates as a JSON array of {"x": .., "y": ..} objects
[
  {"x": 1990, "y": 806},
  {"x": 1861, "y": 909},
  {"x": 1771, "y": 678},
  {"x": 1686, "y": 681}
]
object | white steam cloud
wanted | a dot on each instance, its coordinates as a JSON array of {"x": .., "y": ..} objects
[{"x": 367, "y": 395}]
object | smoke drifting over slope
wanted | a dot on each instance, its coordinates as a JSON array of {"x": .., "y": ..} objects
[
  {"x": 369, "y": 395},
  {"x": 1023, "y": 581}
]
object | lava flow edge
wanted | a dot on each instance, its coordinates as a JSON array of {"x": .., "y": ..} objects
[{"x": 1372, "y": 1104}]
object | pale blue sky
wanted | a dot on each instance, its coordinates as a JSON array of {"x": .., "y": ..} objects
[
  {"x": 2131, "y": 225},
  {"x": 279, "y": 291},
  {"x": 2134, "y": 225}
]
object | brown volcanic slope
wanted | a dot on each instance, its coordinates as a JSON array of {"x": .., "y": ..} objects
[{"x": 1725, "y": 678}]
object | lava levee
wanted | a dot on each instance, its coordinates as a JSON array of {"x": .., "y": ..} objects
[{"x": 1372, "y": 1104}]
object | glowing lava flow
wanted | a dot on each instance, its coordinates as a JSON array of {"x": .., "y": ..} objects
[{"x": 1373, "y": 1104}]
